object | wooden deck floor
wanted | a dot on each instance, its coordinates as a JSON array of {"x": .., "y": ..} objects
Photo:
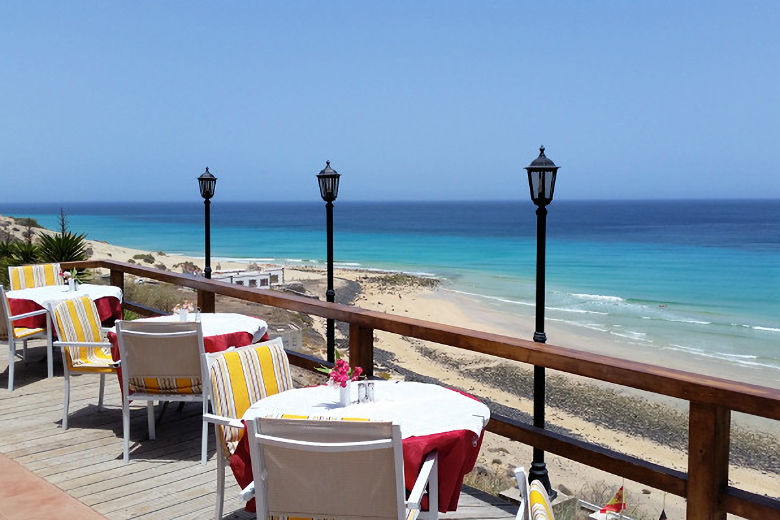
[{"x": 164, "y": 479}]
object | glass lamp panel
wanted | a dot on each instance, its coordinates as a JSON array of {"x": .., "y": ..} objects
[
  {"x": 329, "y": 187},
  {"x": 207, "y": 187},
  {"x": 549, "y": 185},
  {"x": 533, "y": 182}
]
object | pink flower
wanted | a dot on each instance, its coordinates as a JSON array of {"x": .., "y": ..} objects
[{"x": 356, "y": 373}]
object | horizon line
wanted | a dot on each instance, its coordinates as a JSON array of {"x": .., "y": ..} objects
[{"x": 375, "y": 201}]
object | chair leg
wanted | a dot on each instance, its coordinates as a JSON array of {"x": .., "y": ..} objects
[
  {"x": 102, "y": 386},
  {"x": 67, "y": 401},
  {"x": 126, "y": 428},
  {"x": 24, "y": 352},
  {"x": 11, "y": 360},
  {"x": 220, "y": 482},
  {"x": 49, "y": 348},
  {"x": 150, "y": 419},
  {"x": 205, "y": 434}
]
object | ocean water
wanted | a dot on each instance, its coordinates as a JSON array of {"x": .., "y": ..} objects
[{"x": 699, "y": 279}]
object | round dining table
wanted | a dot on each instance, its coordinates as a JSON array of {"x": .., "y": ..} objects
[
  {"x": 107, "y": 298},
  {"x": 431, "y": 417}
]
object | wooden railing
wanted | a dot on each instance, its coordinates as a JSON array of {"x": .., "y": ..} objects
[{"x": 711, "y": 400}]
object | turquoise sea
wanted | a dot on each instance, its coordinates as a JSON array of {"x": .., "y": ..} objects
[{"x": 699, "y": 279}]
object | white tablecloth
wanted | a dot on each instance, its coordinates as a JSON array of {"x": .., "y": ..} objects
[
  {"x": 53, "y": 294},
  {"x": 418, "y": 408},
  {"x": 219, "y": 323}
]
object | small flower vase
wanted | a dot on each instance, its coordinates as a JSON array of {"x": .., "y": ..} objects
[
  {"x": 344, "y": 395},
  {"x": 71, "y": 284},
  {"x": 182, "y": 314}
]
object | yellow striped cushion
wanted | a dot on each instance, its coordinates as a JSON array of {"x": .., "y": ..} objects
[
  {"x": 23, "y": 332},
  {"x": 539, "y": 502},
  {"x": 165, "y": 385},
  {"x": 243, "y": 376},
  {"x": 39, "y": 275},
  {"x": 78, "y": 321}
]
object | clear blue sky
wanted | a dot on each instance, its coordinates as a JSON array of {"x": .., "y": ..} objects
[{"x": 409, "y": 100}]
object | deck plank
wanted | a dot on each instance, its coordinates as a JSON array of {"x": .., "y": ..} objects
[{"x": 164, "y": 478}]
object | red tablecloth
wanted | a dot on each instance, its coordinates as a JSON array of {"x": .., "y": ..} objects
[
  {"x": 109, "y": 309},
  {"x": 457, "y": 454}
]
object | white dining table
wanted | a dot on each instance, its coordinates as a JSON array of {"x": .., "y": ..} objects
[
  {"x": 217, "y": 324},
  {"x": 431, "y": 417},
  {"x": 418, "y": 408},
  {"x": 50, "y": 295}
]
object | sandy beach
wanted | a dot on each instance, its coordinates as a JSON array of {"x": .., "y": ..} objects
[{"x": 633, "y": 422}]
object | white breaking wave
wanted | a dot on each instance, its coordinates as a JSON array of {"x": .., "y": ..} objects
[
  {"x": 768, "y": 329},
  {"x": 631, "y": 334},
  {"x": 740, "y": 359},
  {"x": 576, "y": 311},
  {"x": 495, "y": 298},
  {"x": 697, "y": 322},
  {"x": 598, "y": 297}
]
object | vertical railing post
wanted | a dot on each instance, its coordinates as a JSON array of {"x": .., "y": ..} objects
[
  {"x": 708, "y": 460},
  {"x": 205, "y": 301},
  {"x": 118, "y": 280},
  {"x": 361, "y": 348}
]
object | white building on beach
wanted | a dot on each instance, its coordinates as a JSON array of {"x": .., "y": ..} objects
[{"x": 264, "y": 279}]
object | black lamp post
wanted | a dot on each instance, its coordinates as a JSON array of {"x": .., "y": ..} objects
[
  {"x": 541, "y": 180},
  {"x": 328, "y": 179},
  {"x": 207, "y": 183}
]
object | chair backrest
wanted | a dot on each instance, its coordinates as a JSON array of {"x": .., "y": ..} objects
[
  {"x": 341, "y": 469},
  {"x": 5, "y": 314},
  {"x": 243, "y": 376},
  {"x": 160, "y": 357},
  {"x": 524, "y": 511},
  {"x": 37, "y": 275},
  {"x": 78, "y": 321},
  {"x": 539, "y": 502}
]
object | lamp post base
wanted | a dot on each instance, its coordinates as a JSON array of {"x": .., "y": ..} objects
[{"x": 538, "y": 472}]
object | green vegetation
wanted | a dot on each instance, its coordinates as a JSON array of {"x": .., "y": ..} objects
[
  {"x": 147, "y": 257},
  {"x": 161, "y": 296},
  {"x": 62, "y": 247},
  {"x": 27, "y": 222},
  {"x": 59, "y": 247},
  {"x": 399, "y": 280}
]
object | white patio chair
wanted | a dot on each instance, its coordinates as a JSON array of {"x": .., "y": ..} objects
[
  {"x": 237, "y": 378},
  {"x": 345, "y": 469},
  {"x": 161, "y": 361},
  {"x": 85, "y": 347},
  {"x": 36, "y": 275},
  {"x": 24, "y": 334},
  {"x": 524, "y": 512}
]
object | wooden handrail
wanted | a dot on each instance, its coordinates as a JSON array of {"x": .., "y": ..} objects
[
  {"x": 711, "y": 399},
  {"x": 741, "y": 397}
]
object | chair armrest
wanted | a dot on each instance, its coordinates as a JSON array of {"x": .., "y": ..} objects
[
  {"x": 415, "y": 497},
  {"x": 29, "y": 314},
  {"x": 222, "y": 421},
  {"x": 248, "y": 493},
  {"x": 81, "y": 344}
]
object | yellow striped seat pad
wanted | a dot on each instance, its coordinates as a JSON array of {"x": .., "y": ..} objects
[
  {"x": 39, "y": 275},
  {"x": 244, "y": 376},
  {"x": 23, "y": 332},
  {"x": 78, "y": 321},
  {"x": 165, "y": 385}
]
